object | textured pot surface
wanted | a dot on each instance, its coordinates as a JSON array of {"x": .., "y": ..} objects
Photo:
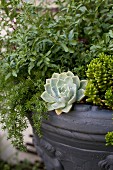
[{"x": 76, "y": 140}]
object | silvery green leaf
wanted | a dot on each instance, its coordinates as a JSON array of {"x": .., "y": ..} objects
[
  {"x": 62, "y": 76},
  {"x": 50, "y": 108},
  {"x": 64, "y": 93},
  {"x": 58, "y": 105},
  {"x": 76, "y": 81},
  {"x": 80, "y": 94},
  {"x": 83, "y": 84},
  {"x": 69, "y": 94},
  {"x": 63, "y": 90},
  {"x": 61, "y": 100},
  {"x": 48, "y": 80},
  {"x": 68, "y": 80},
  {"x": 54, "y": 87},
  {"x": 74, "y": 88},
  {"x": 67, "y": 108},
  {"x": 60, "y": 83},
  {"x": 48, "y": 89},
  {"x": 53, "y": 82},
  {"x": 55, "y": 75},
  {"x": 47, "y": 97},
  {"x": 73, "y": 99},
  {"x": 69, "y": 73}
]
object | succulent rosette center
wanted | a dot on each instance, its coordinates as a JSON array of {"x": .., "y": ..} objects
[{"x": 62, "y": 90}]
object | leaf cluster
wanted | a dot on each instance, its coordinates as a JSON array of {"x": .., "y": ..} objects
[
  {"x": 100, "y": 85},
  {"x": 109, "y": 138},
  {"x": 99, "y": 89}
]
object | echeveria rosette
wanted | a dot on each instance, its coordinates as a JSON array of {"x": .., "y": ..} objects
[{"x": 62, "y": 90}]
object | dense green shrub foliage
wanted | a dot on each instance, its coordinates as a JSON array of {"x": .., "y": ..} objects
[
  {"x": 100, "y": 84},
  {"x": 43, "y": 42},
  {"x": 109, "y": 138}
]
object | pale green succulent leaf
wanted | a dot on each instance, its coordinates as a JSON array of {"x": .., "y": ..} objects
[
  {"x": 48, "y": 80},
  {"x": 60, "y": 83},
  {"x": 73, "y": 98},
  {"x": 50, "y": 108},
  {"x": 54, "y": 88},
  {"x": 58, "y": 105},
  {"x": 80, "y": 94},
  {"x": 48, "y": 88},
  {"x": 55, "y": 75},
  {"x": 68, "y": 80},
  {"x": 47, "y": 97},
  {"x": 62, "y": 100},
  {"x": 69, "y": 73},
  {"x": 76, "y": 81},
  {"x": 83, "y": 84},
  {"x": 62, "y": 76},
  {"x": 69, "y": 94},
  {"x": 67, "y": 108}
]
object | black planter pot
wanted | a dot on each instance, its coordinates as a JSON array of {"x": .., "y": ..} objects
[{"x": 76, "y": 140}]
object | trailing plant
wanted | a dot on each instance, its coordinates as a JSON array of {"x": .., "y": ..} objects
[
  {"x": 99, "y": 89},
  {"x": 62, "y": 90}
]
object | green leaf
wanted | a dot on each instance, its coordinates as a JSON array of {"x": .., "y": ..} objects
[
  {"x": 71, "y": 50},
  {"x": 83, "y": 9},
  {"x": 49, "y": 52},
  {"x": 73, "y": 42},
  {"x": 31, "y": 65},
  {"x": 14, "y": 73},
  {"x": 64, "y": 47},
  {"x": 71, "y": 35},
  {"x": 111, "y": 33},
  {"x": 8, "y": 75}
]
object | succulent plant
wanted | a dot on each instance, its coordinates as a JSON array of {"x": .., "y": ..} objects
[
  {"x": 99, "y": 89},
  {"x": 62, "y": 90}
]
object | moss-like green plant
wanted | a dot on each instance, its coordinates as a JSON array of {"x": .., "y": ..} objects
[
  {"x": 100, "y": 81},
  {"x": 109, "y": 138},
  {"x": 62, "y": 90},
  {"x": 99, "y": 89}
]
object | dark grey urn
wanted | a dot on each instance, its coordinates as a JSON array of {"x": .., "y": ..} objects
[{"x": 76, "y": 140}]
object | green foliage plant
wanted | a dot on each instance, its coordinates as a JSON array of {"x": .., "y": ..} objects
[
  {"x": 62, "y": 90},
  {"x": 41, "y": 43},
  {"x": 21, "y": 166},
  {"x": 99, "y": 89}
]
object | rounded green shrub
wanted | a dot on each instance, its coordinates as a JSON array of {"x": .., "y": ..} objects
[{"x": 99, "y": 89}]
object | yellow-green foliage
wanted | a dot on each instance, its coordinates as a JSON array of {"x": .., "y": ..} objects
[
  {"x": 100, "y": 81},
  {"x": 109, "y": 138}
]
